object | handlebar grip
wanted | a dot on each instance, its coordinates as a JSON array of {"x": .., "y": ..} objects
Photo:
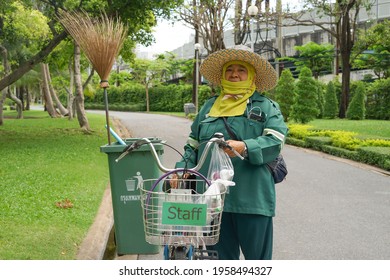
[{"x": 224, "y": 144}]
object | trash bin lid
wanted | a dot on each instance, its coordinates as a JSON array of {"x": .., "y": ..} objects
[{"x": 118, "y": 148}]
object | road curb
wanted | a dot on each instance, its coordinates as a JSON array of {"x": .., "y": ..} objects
[{"x": 95, "y": 243}]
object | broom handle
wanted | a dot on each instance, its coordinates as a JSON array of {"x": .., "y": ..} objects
[{"x": 107, "y": 116}]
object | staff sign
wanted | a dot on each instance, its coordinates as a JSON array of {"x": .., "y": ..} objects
[{"x": 184, "y": 214}]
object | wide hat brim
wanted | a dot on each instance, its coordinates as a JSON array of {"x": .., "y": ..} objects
[{"x": 212, "y": 67}]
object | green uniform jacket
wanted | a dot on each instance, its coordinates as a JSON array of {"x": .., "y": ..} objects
[{"x": 254, "y": 192}]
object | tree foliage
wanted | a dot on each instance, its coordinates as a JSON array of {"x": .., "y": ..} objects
[
  {"x": 378, "y": 100},
  {"x": 208, "y": 18},
  {"x": 140, "y": 16},
  {"x": 373, "y": 49},
  {"x": 29, "y": 30},
  {"x": 305, "y": 104},
  {"x": 148, "y": 73},
  {"x": 331, "y": 104},
  {"x": 356, "y": 109},
  {"x": 320, "y": 98},
  {"x": 316, "y": 57},
  {"x": 285, "y": 93}
]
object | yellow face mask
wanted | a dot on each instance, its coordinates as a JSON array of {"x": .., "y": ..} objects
[{"x": 234, "y": 95}]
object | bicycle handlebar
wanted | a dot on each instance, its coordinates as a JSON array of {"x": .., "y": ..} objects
[{"x": 217, "y": 139}]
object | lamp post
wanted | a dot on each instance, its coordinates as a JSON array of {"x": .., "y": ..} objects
[
  {"x": 197, "y": 47},
  {"x": 252, "y": 12},
  {"x": 279, "y": 37}
]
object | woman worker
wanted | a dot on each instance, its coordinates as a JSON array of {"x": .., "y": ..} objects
[{"x": 253, "y": 125}]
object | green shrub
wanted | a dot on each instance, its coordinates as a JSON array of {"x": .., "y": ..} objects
[
  {"x": 295, "y": 142},
  {"x": 375, "y": 143},
  {"x": 345, "y": 140},
  {"x": 340, "y": 152},
  {"x": 317, "y": 142},
  {"x": 378, "y": 156},
  {"x": 299, "y": 131},
  {"x": 320, "y": 99},
  {"x": 386, "y": 165},
  {"x": 378, "y": 100},
  {"x": 356, "y": 109},
  {"x": 285, "y": 93},
  {"x": 305, "y": 104},
  {"x": 94, "y": 106},
  {"x": 343, "y": 144},
  {"x": 331, "y": 106},
  {"x": 133, "y": 94}
]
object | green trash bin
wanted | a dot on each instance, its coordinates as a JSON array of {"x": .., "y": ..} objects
[{"x": 124, "y": 178}]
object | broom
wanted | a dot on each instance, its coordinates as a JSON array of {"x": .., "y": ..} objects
[{"x": 101, "y": 40}]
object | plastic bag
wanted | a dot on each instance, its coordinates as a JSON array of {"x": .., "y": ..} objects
[
  {"x": 220, "y": 174},
  {"x": 221, "y": 166}
]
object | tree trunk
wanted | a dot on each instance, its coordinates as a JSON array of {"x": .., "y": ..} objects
[
  {"x": 28, "y": 98},
  {"x": 147, "y": 97},
  {"x": 345, "y": 89},
  {"x": 19, "y": 104},
  {"x": 70, "y": 90},
  {"x": 81, "y": 116},
  {"x": 7, "y": 68},
  {"x": 3, "y": 96},
  {"x": 20, "y": 95},
  {"x": 346, "y": 45},
  {"x": 46, "y": 93},
  {"x": 90, "y": 76},
  {"x": 61, "y": 108}
]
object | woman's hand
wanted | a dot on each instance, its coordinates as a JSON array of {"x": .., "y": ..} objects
[
  {"x": 174, "y": 179},
  {"x": 239, "y": 146}
]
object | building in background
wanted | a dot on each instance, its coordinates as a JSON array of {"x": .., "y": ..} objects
[{"x": 291, "y": 36}]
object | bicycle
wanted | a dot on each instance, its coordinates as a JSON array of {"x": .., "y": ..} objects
[{"x": 183, "y": 214}]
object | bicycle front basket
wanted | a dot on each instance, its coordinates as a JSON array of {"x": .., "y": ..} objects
[{"x": 185, "y": 215}]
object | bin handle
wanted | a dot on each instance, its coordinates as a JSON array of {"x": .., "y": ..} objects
[{"x": 136, "y": 145}]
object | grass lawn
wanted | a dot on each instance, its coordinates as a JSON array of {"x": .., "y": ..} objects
[
  {"x": 365, "y": 128},
  {"x": 52, "y": 181}
]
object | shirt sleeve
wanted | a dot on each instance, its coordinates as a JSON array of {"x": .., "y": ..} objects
[{"x": 266, "y": 147}]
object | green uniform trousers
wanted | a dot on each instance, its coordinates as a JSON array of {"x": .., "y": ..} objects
[{"x": 253, "y": 234}]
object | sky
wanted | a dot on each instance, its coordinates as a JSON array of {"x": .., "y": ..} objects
[{"x": 170, "y": 36}]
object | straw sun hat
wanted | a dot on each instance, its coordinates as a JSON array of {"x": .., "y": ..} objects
[{"x": 211, "y": 68}]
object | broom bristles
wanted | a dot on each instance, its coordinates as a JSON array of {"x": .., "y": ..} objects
[{"x": 101, "y": 39}]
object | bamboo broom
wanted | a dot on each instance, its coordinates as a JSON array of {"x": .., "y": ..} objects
[{"x": 101, "y": 40}]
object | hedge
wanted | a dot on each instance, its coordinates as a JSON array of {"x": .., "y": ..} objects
[
  {"x": 164, "y": 98},
  {"x": 342, "y": 144},
  {"x": 378, "y": 156}
]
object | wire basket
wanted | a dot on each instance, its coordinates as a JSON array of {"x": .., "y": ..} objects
[{"x": 184, "y": 215}]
